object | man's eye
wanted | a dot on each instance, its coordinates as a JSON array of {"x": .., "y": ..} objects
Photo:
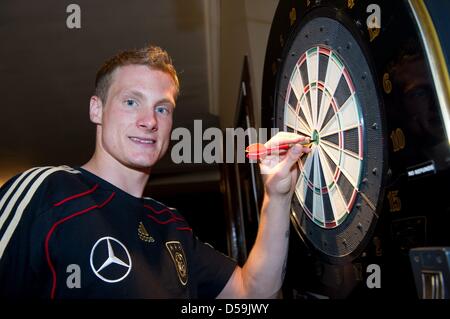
[
  {"x": 163, "y": 110},
  {"x": 130, "y": 102}
]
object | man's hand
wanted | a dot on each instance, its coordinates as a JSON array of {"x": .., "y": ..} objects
[
  {"x": 280, "y": 170},
  {"x": 263, "y": 273}
]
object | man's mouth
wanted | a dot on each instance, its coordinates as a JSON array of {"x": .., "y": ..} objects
[{"x": 142, "y": 140}]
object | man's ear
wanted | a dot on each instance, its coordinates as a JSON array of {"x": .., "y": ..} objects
[{"x": 96, "y": 110}]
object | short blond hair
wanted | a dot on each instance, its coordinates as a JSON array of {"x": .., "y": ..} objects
[{"x": 152, "y": 56}]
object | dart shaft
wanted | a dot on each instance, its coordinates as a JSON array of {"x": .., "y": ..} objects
[
  {"x": 288, "y": 146},
  {"x": 267, "y": 151}
]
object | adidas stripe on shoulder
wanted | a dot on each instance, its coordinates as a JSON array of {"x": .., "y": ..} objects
[{"x": 19, "y": 195}]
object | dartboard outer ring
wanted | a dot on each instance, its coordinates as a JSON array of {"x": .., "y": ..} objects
[{"x": 326, "y": 28}]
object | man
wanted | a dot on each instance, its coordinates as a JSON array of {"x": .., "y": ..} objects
[{"x": 87, "y": 232}]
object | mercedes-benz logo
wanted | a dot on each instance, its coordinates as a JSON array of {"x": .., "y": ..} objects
[{"x": 110, "y": 260}]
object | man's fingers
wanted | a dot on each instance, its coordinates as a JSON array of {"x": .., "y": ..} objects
[
  {"x": 282, "y": 163},
  {"x": 306, "y": 150},
  {"x": 292, "y": 157},
  {"x": 285, "y": 138}
]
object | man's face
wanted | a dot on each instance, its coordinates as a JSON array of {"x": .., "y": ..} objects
[{"x": 136, "y": 120}]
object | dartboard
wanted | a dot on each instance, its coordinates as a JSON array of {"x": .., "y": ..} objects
[
  {"x": 325, "y": 90},
  {"x": 322, "y": 103}
]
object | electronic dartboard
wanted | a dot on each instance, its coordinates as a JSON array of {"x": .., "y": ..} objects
[{"x": 368, "y": 82}]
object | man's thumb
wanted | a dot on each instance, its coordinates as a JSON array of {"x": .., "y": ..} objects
[
  {"x": 295, "y": 152},
  {"x": 292, "y": 157}
]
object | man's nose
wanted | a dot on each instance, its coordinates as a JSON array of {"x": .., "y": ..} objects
[{"x": 147, "y": 120}]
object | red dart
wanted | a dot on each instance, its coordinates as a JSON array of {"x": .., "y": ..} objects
[{"x": 257, "y": 150}]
